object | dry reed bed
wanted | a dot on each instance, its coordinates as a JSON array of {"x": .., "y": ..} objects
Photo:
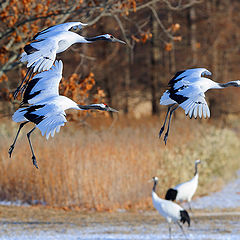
[{"x": 105, "y": 169}]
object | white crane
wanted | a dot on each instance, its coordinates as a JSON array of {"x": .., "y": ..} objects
[
  {"x": 171, "y": 211},
  {"x": 187, "y": 90},
  {"x": 40, "y": 54},
  {"x": 184, "y": 191},
  {"x": 43, "y": 106}
]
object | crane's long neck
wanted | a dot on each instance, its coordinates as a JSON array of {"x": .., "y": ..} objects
[
  {"x": 88, "y": 107},
  {"x": 196, "y": 169},
  {"x": 154, "y": 186},
  {"x": 229, "y": 84},
  {"x": 97, "y": 38}
]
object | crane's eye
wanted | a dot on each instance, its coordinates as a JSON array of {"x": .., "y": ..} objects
[{"x": 111, "y": 36}]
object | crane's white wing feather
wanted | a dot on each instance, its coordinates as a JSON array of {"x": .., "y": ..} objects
[
  {"x": 58, "y": 28},
  {"x": 188, "y": 76},
  {"x": 52, "y": 123},
  {"x": 39, "y": 57},
  {"x": 165, "y": 99},
  {"x": 195, "y": 104},
  {"x": 48, "y": 117},
  {"x": 44, "y": 85}
]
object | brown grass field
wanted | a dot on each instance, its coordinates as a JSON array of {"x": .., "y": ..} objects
[{"x": 108, "y": 166}]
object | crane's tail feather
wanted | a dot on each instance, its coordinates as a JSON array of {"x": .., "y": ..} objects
[
  {"x": 165, "y": 99},
  {"x": 185, "y": 217},
  {"x": 18, "y": 116}
]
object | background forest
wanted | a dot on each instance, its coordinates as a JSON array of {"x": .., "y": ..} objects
[{"x": 110, "y": 158}]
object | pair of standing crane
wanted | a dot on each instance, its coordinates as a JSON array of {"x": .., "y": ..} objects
[
  {"x": 172, "y": 212},
  {"x": 43, "y": 106}
]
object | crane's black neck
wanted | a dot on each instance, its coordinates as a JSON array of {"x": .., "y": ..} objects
[
  {"x": 97, "y": 38},
  {"x": 196, "y": 169},
  {"x": 229, "y": 84},
  {"x": 154, "y": 186}
]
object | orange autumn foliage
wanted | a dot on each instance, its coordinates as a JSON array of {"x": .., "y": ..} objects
[{"x": 79, "y": 91}]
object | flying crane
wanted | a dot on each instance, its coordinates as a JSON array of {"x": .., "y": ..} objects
[
  {"x": 187, "y": 90},
  {"x": 41, "y": 53},
  {"x": 43, "y": 106}
]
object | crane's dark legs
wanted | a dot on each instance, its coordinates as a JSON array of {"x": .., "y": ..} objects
[
  {"x": 182, "y": 230},
  {"x": 33, "y": 156},
  {"x": 14, "y": 142},
  {"x": 170, "y": 232},
  {"x": 26, "y": 84},
  {"x": 189, "y": 206},
  {"x": 169, "y": 122},
  {"x": 162, "y": 128},
  {"x": 20, "y": 87}
]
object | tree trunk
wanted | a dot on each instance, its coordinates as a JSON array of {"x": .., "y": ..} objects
[
  {"x": 127, "y": 79},
  {"x": 192, "y": 33},
  {"x": 155, "y": 63}
]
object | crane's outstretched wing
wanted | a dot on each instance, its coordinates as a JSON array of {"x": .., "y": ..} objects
[
  {"x": 44, "y": 85},
  {"x": 60, "y": 27},
  {"x": 52, "y": 124},
  {"x": 53, "y": 117},
  {"x": 194, "y": 103},
  {"x": 187, "y": 76},
  {"x": 40, "y": 54},
  {"x": 47, "y": 117}
]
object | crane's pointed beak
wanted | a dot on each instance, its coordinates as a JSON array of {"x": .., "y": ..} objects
[
  {"x": 109, "y": 109},
  {"x": 118, "y": 40}
]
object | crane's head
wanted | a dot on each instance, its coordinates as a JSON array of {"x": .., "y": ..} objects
[
  {"x": 237, "y": 83},
  {"x": 97, "y": 106},
  {"x": 111, "y": 38},
  {"x": 155, "y": 179},
  {"x": 197, "y": 161},
  {"x": 105, "y": 107}
]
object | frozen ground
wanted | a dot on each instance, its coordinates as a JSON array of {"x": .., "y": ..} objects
[
  {"x": 220, "y": 228},
  {"x": 228, "y": 197},
  {"x": 221, "y": 221}
]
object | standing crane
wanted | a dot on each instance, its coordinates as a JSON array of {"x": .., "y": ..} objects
[
  {"x": 41, "y": 53},
  {"x": 187, "y": 90},
  {"x": 184, "y": 191},
  {"x": 43, "y": 106},
  {"x": 171, "y": 211}
]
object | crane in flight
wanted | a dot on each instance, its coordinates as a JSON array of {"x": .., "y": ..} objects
[
  {"x": 171, "y": 211},
  {"x": 41, "y": 53},
  {"x": 186, "y": 90},
  {"x": 43, "y": 106}
]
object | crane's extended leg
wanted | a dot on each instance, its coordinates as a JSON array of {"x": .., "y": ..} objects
[
  {"x": 26, "y": 83},
  {"x": 14, "y": 142},
  {"x": 162, "y": 128},
  {"x": 30, "y": 69},
  {"x": 169, "y": 122},
  {"x": 182, "y": 230},
  {"x": 189, "y": 206},
  {"x": 33, "y": 155},
  {"x": 170, "y": 232}
]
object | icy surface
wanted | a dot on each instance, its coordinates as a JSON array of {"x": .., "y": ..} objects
[
  {"x": 203, "y": 229},
  {"x": 228, "y": 197}
]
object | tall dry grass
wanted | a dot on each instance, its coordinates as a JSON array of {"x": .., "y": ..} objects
[{"x": 108, "y": 168}]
